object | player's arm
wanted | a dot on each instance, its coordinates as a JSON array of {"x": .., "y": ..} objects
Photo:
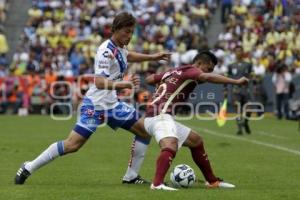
[
  {"x": 102, "y": 66},
  {"x": 150, "y": 80},
  {"x": 216, "y": 78},
  {"x": 140, "y": 57},
  {"x": 154, "y": 79},
  {"x": 106, "y": 84}
]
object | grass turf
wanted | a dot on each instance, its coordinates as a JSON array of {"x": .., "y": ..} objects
[{"x": 263, "y": 165}]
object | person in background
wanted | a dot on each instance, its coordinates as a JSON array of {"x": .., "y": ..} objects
[
  {"x": 241, "y": 94},
  {"x": 281, "y": 80},
  {"x": 226, "y": 10}
]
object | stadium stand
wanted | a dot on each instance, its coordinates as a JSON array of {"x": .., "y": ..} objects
[
  {"x": 3, "y": 10},
  {"x": 60, "y": 39},
  {"x": 269, "y": 33},
  {"x": 3, "y": 40}
]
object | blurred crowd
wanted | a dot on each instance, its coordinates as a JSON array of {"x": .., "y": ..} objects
[
  {"x": 3, "y": 40},
  {"x": 61, "y": 37},
  {"x": 3, "y": 10},
  {"x": 269, "y": 33}
]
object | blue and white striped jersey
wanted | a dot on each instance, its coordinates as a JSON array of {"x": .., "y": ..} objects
[{"x": 110, "y": 62}]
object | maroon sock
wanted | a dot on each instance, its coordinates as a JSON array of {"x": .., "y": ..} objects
[
  {"x": 163, "y": 163},
  {"x": 200, "y": 158}
]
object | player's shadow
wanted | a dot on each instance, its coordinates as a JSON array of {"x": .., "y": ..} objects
[{"x": 224, "y": 144}]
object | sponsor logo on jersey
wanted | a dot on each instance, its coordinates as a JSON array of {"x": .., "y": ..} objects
[
  {"x": 90, "y": 112},
  {"x": 103, "y": 64},
  {"x": 105, "y": 54},
  {"x": 126, "y": 108}
]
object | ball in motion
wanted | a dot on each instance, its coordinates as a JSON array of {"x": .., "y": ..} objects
[{"x": 183, "y": 176}]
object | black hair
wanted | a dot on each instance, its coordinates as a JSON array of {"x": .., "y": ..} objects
[
  {"x": 206, "y": 57},
  {"x": 281, "y": 68},
  {"x": 122, "y": 20}
]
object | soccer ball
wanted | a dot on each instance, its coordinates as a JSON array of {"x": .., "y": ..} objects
[{"x": 183, "y": 176}]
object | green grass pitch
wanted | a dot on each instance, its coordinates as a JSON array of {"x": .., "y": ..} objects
[{"x": 264, "y": 165}]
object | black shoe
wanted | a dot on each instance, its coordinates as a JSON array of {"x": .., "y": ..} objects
[
  {"x": 247, "y": 128},
  {"x": 22, "y": 175},
  {"x": 240, "y": 132},
  {"x": 137, "y": 180}
]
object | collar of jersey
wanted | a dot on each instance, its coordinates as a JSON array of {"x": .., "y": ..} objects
[{"x": 112, "y": 42}]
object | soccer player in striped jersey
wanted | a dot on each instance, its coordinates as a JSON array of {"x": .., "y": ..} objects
[
  {"x": 174, "y": 87},
  {"x": 101, "y": 104}
]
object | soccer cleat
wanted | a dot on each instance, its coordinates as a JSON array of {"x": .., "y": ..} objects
[
  {"x": 239, "y": 132},
  {"x": 137, "y": 180},
  {"x": 219, "y": 184},
  {"x": 22, "y": 175},
  {"x": 247, "y": 128},
  {"x": 162, "y": 187}
]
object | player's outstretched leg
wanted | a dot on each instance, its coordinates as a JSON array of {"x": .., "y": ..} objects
[
  {"x": 71, "y": 144},
  {"x": 168, "y": 152},
  {"x": 195, "y": 143},
  {"x": 138, "y": 150},
  {"x": 163, "y": 163}
]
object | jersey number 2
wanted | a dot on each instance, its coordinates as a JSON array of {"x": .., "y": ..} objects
[{"x": 162, "y": 90}]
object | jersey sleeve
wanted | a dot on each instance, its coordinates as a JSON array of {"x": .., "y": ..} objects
[
  {"x": 103, "y": 62},
  {"x": 192, "y": 73},
  {"x": 158, "y": 77}
]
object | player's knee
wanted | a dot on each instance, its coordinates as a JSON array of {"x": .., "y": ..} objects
[
  {"x": 139, "y": 153},
  {"x": 169, "y": 143},
  {"x": 194, "y": 140},
  {"x": 71, "y": 147}
]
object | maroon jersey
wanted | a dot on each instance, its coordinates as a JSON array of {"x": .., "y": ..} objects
[{"x": 174, "y": 87}]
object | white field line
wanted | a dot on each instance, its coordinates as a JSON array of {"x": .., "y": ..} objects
[
  {"x": 271, "y": 135},
  {"x": 273, "y": 146}
]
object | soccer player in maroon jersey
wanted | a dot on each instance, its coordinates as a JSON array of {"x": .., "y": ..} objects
[{"x": 174, "y": 86}]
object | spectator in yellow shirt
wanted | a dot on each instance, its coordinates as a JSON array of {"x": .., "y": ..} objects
[
  {"x": 249, "y": 41},
  {"x": 35, "y": 12},
  {"x": 272, "y": 37},
  {"x": 3, "y": 43},
  {"x": 239, "y": 9},
  {"x": 284, "y": 53}
]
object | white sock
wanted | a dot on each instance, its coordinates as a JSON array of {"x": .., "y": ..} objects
[
  {"x": 138, "y": 150},
  {"x": 53, "y": 151}
]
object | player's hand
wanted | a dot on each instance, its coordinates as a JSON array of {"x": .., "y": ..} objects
[
  {"x": 135, "y": 79},
  {"x": 243, "y": 81},
  {"x": 162, "y": 56}
]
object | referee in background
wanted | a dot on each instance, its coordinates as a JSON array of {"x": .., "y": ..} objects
[{"x": 240, "y": 94}]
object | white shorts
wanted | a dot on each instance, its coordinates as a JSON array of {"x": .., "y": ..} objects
[{"x": 163, "y": 125}]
